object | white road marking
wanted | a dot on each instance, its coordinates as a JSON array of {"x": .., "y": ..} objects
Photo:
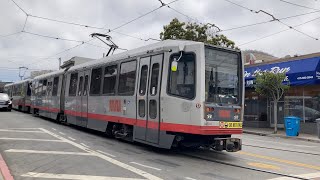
[
  {"x": 12, "y": 130},
  {"x": 71, "y": 176},
  {"x": 189, "y": 178},
  {"x": 104, "y": 157},
  {"x": 62, "y": 133},
  {"x": 106, "y": 153},
  {"x": 304, "y": 176},
  {"x": 53, "y": 129},
  {"x": 85, "y": 145},
  {"x": 146, "y": 166},
  {"x": 71, "y": 138},
  {"x": 47, "y": 152},
  {"x": 26, "y": 139}
]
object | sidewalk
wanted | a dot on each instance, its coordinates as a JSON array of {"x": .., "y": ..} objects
[
  {"x": 4, "y": 170},
  {"x": 281, "y": 133}
]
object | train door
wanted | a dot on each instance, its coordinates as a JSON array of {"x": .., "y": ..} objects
[
  {"x": 82, "y": 99},
  {"x": 148, "y": 97}
]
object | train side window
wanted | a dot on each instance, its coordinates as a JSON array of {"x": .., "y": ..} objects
[
  {"x": 49, "y": 88},
  {"x": 109, "y": 80},
  {"x": 44, "y": 87},
  {"x": 127, "y": 78},
  {"x": 73, "y": 84},
  {"x": 40, "y": 87},
  {"x": 95, "y": 85},
  {"x": 142, "y": 108},
  {"x": 153, "y": 109},
  {"x": 154, "y": 79},
  {"x": 181, "y": 82},
  {"x": 55, "y": 86},
  {"x": 29, "y": 89},
  {"x": 85, "y": 87},
  {"x": 143, "y": 80},
  {"x": 80, "y": 86}
]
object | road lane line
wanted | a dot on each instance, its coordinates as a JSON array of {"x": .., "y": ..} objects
[
  {"x": 47, "y": 152},
  {"x": 263, "y": 165},
  {"x": 305, "y": 176},
  {"x": 189, "y": 178},
  {"x": 72, "y": 176},
  {"x": 71, "y": 138},
  {"x": 146, "y": 166},
  {"x": 104, "y": 157},
  {"x": 106, "y": 153},
  {"x": 26, "y": 139},
  {"x": 53, "y": 129},
  {"x": 12, "y": 130},
  {"x": 280, "y": 160},
  {"x": 84, "y": 145},
  {"x": 62, "y": 133}
]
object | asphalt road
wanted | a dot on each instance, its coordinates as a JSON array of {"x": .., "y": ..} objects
[{"x": 37, "y": 148}]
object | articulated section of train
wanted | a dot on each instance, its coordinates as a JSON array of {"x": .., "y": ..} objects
[{"x": 169, "y": 94}]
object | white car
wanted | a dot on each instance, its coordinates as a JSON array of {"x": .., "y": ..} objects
[{"x": 5, "y": 102}]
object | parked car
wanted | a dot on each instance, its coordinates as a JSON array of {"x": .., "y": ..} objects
[{"x": 5, "y": 102}]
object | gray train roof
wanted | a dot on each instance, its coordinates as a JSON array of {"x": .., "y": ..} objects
[
  {"x": 58, "y": 72},
  {"x": 131, "y": 53},
  {"x": 19, "y": 82}
]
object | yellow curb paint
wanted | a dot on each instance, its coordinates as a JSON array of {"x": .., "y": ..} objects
[
  {"x": 281, "y": 160},
  {"x": 264, "y": 166}
]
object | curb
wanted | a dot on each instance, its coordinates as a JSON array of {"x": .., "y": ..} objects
[
  {"x": 281, "y": 136},
  {"x": 4, "y": 170}
]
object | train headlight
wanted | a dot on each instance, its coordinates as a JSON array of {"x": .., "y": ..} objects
[{"x": 236, "y": 117}]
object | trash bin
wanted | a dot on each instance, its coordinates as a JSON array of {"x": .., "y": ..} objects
[
  {"x": 318, "y": 125},
  {"x": 292, "y": 125}
]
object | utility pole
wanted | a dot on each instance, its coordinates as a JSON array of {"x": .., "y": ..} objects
[
  {"x": 20, "y": 74},
  {"x": 59, "y": 63}
]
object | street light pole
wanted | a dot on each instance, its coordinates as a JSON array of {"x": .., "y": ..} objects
[{"x": 22, "y": 75}]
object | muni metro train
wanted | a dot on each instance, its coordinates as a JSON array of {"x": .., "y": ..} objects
[{"x": 168, "y": 94}]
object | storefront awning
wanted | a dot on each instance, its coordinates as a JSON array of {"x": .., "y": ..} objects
[{"x": 299, "y": 72}]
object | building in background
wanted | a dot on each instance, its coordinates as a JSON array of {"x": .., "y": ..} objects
[
  {"x": 2, "y": 84},
  {"x": 301, "y": 100}
]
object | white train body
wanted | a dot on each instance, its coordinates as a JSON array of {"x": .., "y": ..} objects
[{"x": 166, "y": 94}]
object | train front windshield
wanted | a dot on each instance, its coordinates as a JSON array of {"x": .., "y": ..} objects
[{"x": 222, "y": 76}]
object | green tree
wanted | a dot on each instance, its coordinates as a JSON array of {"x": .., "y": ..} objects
[
  {"x": 271, "y": 85},
  {"x": 195, "y": 32}
]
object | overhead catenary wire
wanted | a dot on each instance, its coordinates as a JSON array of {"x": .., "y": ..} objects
[
  {"x": 141, "y": 16},
  {"x": 273, "y": 19},
  {"x": 294, "y": 4},
  {"x": 51, "y": 37},
  {"x": 279, "y": 32},
  {"x": 269, "y": 21},
  {"x": 20, "y": 8}
]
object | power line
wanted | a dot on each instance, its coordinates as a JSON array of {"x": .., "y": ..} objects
[
  {"x": 11, "y": 68},
  {"x": 141, "y": 16},
  {"x": 265, "y": 22},
  {"x": 3, "y": 36},
  {"x": 20, "y": 8},
  {"x": 241, "y": 6},
  {"x": 191, "y": 18},
  {"x": 273, "y": 19},
  {"x": 51, "y": 37},
  {"x": 66, "y": 22},
  {"x": 299, "y": 5},
  {"x": 279, "y": 32}
]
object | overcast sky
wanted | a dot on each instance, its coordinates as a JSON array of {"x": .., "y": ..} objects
[{"x": 32, "y": 51}]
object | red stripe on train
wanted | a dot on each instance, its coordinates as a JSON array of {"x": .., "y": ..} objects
[{"x": 183, "y": 128}]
